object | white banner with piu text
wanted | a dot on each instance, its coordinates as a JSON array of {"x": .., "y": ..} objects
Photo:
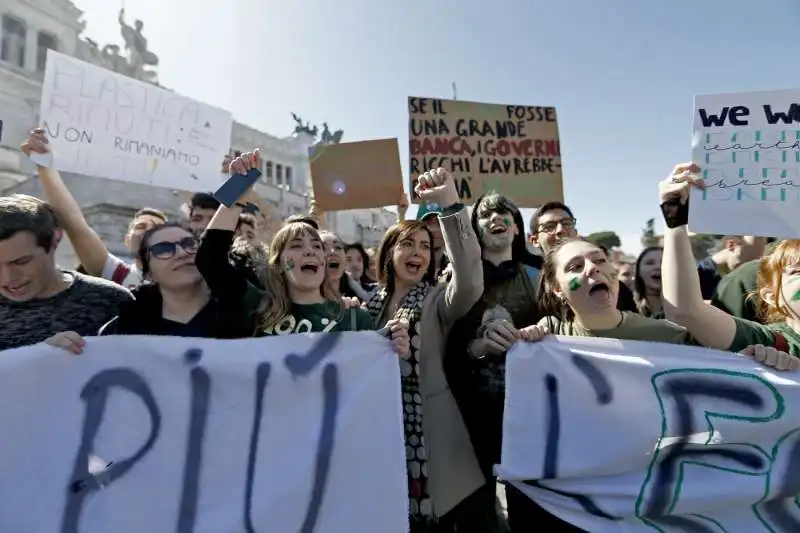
[{"x": 155, "y": 434}]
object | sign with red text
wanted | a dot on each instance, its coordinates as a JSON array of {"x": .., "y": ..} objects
[
  {"x": 640, "y": 437},
  {"x": 295, "y": 433},
  {"x": 487, "y": 147},
  {"x": 107, "y": 125},
  {"x": 748, "y": 147}
]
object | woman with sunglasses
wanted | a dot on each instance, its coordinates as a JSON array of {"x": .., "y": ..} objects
[{"x": 174, "y": 300}]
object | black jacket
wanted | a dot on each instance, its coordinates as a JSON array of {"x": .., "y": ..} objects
[{"x": 142, "y": 316}]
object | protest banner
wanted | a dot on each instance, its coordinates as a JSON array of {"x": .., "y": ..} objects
[
  {"x": 748, "y": 146},
  {"x": 150, "y": 434},
  {"x": 638, "y": 437},
  {"x": 356, "y": 175},
  {"x": 108, "y": 125},
  {"x": 506, "y": 148}
]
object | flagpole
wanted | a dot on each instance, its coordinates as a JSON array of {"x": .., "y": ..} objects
[{"x": 455, "y": 93}]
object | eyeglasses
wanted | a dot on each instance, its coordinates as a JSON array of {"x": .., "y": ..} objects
[
  {"x": 552, "y": 226},
  {"x": 167, "y": 250}
]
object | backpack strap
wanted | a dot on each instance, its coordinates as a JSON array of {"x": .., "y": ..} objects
[{"x": 781, "y": 343}]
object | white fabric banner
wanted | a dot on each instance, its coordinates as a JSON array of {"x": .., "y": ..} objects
[
  {"x": 162, "y": 434},
  {"x": 622, "y": 436}
]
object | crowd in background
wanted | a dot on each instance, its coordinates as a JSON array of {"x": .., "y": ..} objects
[{"x": 452, "y": 290}]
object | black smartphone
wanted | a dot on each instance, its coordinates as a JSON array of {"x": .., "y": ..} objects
[{"x": 233, "y": 189}]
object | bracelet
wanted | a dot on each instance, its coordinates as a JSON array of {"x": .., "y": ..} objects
[
  {"x": 676, "y": 214},
  {"x": 452, "y": 209}
]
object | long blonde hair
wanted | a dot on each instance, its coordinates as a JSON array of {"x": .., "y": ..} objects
[{"x": 277, "y": 303}]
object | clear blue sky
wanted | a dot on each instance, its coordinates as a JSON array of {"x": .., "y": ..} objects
[{"x": 622, "y": 74}]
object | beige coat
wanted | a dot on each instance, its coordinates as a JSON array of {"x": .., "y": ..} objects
[{"x": 453, "y": 471}]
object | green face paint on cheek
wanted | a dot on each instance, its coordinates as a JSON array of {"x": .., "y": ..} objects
[
  {"x": 796, "y": 296},
  {"x": 289, "y": 265},
  {"x": 574, "y": 284},
  {"x": 507, "y": 222}
]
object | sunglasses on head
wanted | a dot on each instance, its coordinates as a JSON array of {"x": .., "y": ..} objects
[{"x": 167, "y": 250}]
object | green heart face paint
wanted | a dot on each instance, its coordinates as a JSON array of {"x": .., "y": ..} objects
[{"x": 574, "y": 284}]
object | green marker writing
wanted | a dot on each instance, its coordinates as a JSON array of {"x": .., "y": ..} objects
[{"x": 574, "y": 284}]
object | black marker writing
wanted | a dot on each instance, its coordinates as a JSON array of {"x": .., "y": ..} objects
[
  {"x": 550, "y": 467},
  {"x": 95, "y": 394},
  {"x": 263, "y": 372},
  {"x": 201, "y": 390},
  {"x": 681, "y": 391},
  {"x": 778, "y": 509},
  {"x": 302, "y": 366},
  {"x": 601, "y": 385}
]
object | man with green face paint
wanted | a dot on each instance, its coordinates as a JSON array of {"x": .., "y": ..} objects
[{"x": 477, "y": 346}]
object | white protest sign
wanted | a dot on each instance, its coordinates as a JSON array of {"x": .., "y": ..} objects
[
  {"x": 748, "y": 145},
  {"x": 108, "y": 125},
  {"x": 616, "y": 436},
  {"x": 156, "y": 434}
]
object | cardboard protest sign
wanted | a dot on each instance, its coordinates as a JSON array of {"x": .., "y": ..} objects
[
  {"x": 152, "y": 434},
  {"x": 107, "y": 125},
  {"x": 630, "y": 436},
  {"x": 356, "y": 175},
  {"x": 748, "y": 147},
  {"x": 511, "y": 149}
]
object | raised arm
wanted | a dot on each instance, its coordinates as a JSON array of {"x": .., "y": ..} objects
[
  {"x": 680, "y": 283},
  {"x": 89, "y": 248},
  {"x": 223, "y": 279},
  {"x": 461, "y": 244}
]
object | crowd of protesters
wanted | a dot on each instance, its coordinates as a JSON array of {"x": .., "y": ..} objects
[{"x": 453, "y": 290}]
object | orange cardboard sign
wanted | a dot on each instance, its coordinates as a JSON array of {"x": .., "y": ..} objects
[{"x": 356, "y": 175}]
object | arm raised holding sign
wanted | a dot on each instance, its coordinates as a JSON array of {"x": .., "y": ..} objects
[{"x": 778, "y": 285}]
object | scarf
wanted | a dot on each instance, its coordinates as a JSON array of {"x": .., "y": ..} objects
[{"x": 420, "y": 505}]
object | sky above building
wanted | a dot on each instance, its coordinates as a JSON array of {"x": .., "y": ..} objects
[{"x": 622, "y": 74}]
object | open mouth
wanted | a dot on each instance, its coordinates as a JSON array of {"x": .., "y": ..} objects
[
  {"x": 334, "y": 265},
  {"x": 309, "y": 268},
  {"x": 413, "y": 266},
  {"x": 497, "y": 230},
  {"x": 656, "y": 277},
  {"x": 599, "y": 288}
]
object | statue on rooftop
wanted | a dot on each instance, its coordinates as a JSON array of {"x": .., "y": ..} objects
[
  {"x": 304, "y": 128},
  {"x": 140, "y": 58}
]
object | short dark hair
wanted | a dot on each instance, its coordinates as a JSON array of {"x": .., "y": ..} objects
[
  {"x": 20, "y": 212},
  {"x": 397, "y": 233},
  {"x": 246, "y": 219},
  {"x": 549, "y": 206},
  {"x": 203, "y": 200},
  {"x": 305, "y": 219},
  {"x": 150, "y": 211}
]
